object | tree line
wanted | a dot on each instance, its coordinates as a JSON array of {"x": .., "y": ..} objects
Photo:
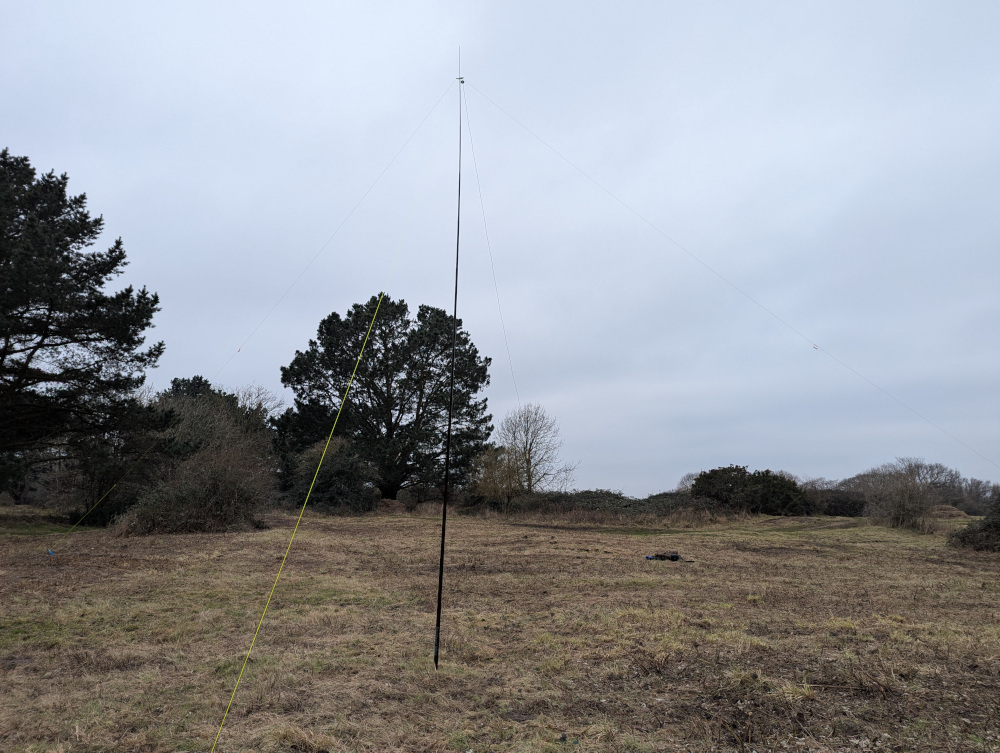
[
  {"x": 906, "y": 493},
  {"x": 77, "y": 425},
  {"x": 79, "y": 429},
  {"x": 902, "y": 494}
]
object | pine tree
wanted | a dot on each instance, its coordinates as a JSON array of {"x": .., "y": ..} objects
[
  {"x": 71, "y": 355},
  {"x": 397, "y": 412}
]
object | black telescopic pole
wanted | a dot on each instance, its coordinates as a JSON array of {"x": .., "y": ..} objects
[{"x": 451, "y": 394}]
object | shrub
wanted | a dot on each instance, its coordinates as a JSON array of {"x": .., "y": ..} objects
[
  {"x": 844, "y": 504},
  {"x": 594, "y": 505},
  {"x": 983, "y": 535},
  {"x": 770, "y": 493},
  {"x": 345, "y": 483},
  {"x": 758, "y": 493},
  {"x": 496, "y": 482},
  {"x": 215, "y": 489},
  {"x": 597, "y": 500},
  {"x": 111, "y": 473},
  {"x": 823, "y": 497},
  {"x": 977, "y": 496},
  {"x": 901, "y": 494},
  {"x": 218, "y": 466}
]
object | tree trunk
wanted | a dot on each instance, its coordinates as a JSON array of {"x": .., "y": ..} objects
[{"x": 389, "y": 488}]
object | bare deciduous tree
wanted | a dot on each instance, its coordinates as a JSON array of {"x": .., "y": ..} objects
[
  {"x": 901, "y": 494},
  {"x": 977, "y": 496},
  {"x": 497, "y": 479},
  {"x": 686, "y": 482},
  {"x": 530, "y": 442}
]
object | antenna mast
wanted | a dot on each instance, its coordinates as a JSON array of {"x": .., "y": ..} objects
[{"x": 451, "y": 393}]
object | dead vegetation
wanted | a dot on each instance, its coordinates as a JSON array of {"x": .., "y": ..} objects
[{"x": 801, "y": 634}]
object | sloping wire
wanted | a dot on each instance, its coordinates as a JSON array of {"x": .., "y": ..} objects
[
  {"x": 329, "y": 438},
  {"x": 128, "y": 471},
  {"x": 489, "y": 246},
  {"x": 736, "y": 287},
  {"x": 335, "y": 232}
]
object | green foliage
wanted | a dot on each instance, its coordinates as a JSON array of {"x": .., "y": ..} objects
[
  {"x": 770, "y": 493},
  {"x": 196, "y": 386},
  {"x": 216, "y": 464},
  {"x": 984, "y": 534},
  {"x": 560, "y": 502},
  {"x": 726, "y": 486},
  {"x": 111, "y": 473},
  {"x": 71, "y": 355},
  {"x": 824, "y": 497},
  {"x": 344, "y": 483},
  {"x": 397, "y": 412},
  {"x": 603, "y": 502},
  {"x": 758, "y": 493}
]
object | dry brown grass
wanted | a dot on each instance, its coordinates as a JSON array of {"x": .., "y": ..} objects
[{"x": 784, "y": 634}]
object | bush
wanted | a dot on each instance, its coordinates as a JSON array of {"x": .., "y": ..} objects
[
  {"x": 844, "y": 504},
  {"x": 591, "y": 504},
  {"x": 977, "y": 496},
  {"x": 597, "y": 500},
  {"x": 676, "y": 509},
  {"x": 215, "y": 489},
  {"x": 758, "y": 493},
  {"x": 823, "y": 497},
  {"x": 111, "y": 473},
  {"x": 495, "y": 480},
  {"x": 218, "y": 465},
  {"x": 901, "y": 494},
  {"x": 983, "y": 535},
  {"x": 345, "y": 483}
]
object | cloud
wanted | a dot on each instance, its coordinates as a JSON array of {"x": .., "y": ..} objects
[{"x": 836, "y": 164}]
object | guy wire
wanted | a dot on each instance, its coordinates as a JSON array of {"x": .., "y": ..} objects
[
  {"x": 282, "y": 297},
  {"x": 489, "y": 247},
  {"x": 734, "y": 286},
  {"x": 295, "y": 530},
  {"x": 339, "y": 227},
  {"x": 327, "y": 445}
]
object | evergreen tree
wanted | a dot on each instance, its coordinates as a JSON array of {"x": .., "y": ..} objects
[
  {"x": 71, "y": 355},
  {"x": 396, "y": 415},
  {"x": 758, "y": 493}
]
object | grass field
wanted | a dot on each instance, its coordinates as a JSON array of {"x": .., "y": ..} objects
[{"x": 784, "y": 634}]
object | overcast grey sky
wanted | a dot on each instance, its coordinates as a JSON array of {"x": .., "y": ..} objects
[{"x": 839, "y": 163}]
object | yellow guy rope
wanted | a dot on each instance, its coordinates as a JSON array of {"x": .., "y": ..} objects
[
  {"x": 297, "y": 522},
  {"x": 261, "y": 322},
  {"x": 329, "y": 437},
  {"x": 114, "y": 486}
]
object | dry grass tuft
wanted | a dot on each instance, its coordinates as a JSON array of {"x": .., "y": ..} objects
[{"x": 783, "y": 634}]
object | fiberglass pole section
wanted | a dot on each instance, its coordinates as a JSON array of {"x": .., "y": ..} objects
[{"x": 451, "y": 393}]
